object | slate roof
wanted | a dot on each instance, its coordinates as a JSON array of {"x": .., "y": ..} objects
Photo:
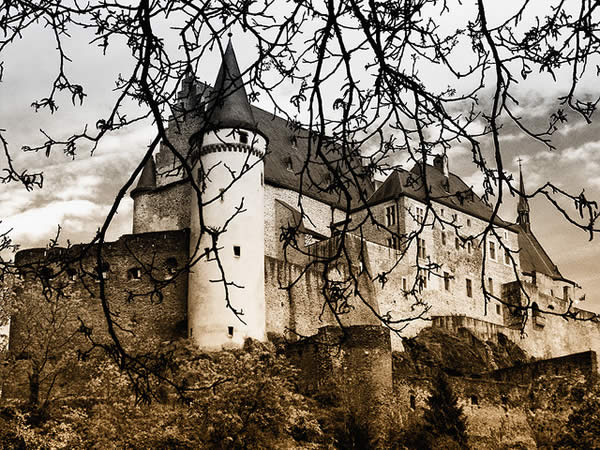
[
  {"x": 286, "y": 156},
  {"x": 533, "y": 256},
  {"x": 454, "y": 193},
  {"x": 147, "y": 179},
  {"x": 228, "y": 105}
]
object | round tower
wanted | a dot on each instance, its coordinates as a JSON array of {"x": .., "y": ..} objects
[{"x": 228, "y": 168}]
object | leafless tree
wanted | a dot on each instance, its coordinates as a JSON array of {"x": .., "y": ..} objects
[{"x": 377, "y": 59}]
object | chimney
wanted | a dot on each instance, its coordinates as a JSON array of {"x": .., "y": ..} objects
[{"x": 440, "y": 162}]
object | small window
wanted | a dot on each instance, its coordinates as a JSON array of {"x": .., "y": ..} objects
[
  {"x": 191, "y": 332},
  {"x": 468, "y": 222},
  {"x": 243, "y": 137},
  {"x": 134, "y": 273},
  {"x": 230, "y": 331},
  {"x": 262, "y": 179},
  {"x": 469, "y": 285},
  {"x": 446, "y": 281},
  {"x": 469, "y": 247},
  {"x": 102, "y": 272},
  {"x": 565, "y": 292},
  {"x": 474, "y": 400},
  {"x": 171, "y": 263},
  {"x": 222, "y": 194},
  {"x": 390, "y": 215},
  {"x": 506, "y": 256},
  {"x": 443, "y": 238},
  {"x": 71, "y": 274},
  {"x": 493, "y": 251},
  {"x": 237, "y": 251},
  {"x": 423, "y": 282},
  {"x": 420, "y": 214},
  {"x": 413, "y": 402},
  {"x": 498, "y": 310},
  {"x": 442, "y": 212},
  {"x": 404, "y": 286},
  {"x": 421, "y": 248},
  {"x": 457, "y": 243},
  {"x": 46, "y": 273},
  {"x": 393, "y": 242},
  {"x": 491, "y": 285}
]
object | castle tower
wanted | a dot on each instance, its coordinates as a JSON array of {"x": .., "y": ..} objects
[
  {"x": 523, "y": 207},
  {"x": 227, "y": 157}
]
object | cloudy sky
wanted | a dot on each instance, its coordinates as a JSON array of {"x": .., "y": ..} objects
[{"x": 78, "y": 193}]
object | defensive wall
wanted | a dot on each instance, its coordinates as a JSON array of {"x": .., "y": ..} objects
[{"x": 145, "y": 282}]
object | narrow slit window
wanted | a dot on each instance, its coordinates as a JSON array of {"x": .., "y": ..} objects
[
  {"x": 446, "y": 281},
  {"x": 469, "y": 286},
  {"x": 237, "y": 251},
  {"x": 230, "y": 331}
]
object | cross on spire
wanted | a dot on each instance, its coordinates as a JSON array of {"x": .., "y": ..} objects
[{"x": 523, "y": 207}]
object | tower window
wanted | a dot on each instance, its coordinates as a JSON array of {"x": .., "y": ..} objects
[
  {"x": 413, "y": 402},
  {"x": 134, "y": 273},
  {"x": 469, "y": 285},
  {"x": 506, "y": 256},
  {"x": 491, "y": 285},
  {"x": 243, "y": 137},
  {"x": 469, "y": 247},
  {"x": 468, "y": 222},
  {"x": 493, "y": 251},
  {"x": 390, "y": 215},
  {"x": 404, "y": 287},
  {"x": 230, "y": 331},
  {"x": 446, "y": 281},
  {"x": 456, "y": 243},
  {"x": 474, "y": 400},
  {"x": 498, "y": 310},
  {"x": 237, "y": 251},
  {"x": 443, "y": 238}
]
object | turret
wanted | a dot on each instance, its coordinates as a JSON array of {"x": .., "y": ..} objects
[
  {"x": 523, "y": 207},
  {"x": 146, "y": 184},
  {"x": 228, "y": 167}
]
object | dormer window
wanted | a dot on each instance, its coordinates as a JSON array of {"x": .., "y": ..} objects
[{"x": 243, "y": 137}]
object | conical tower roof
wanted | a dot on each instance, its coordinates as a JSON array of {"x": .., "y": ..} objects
[
  {"x": 229, "y": 106},
  {"x": 523, "y": 203},
  {"x": 147, "y": 179}
]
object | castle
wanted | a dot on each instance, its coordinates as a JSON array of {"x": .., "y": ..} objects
[{"x": 275, "y": 289}]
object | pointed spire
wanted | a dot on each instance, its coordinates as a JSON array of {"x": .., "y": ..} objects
[
  {"x": 147, "y": 180},
  {"x": 229, "y": 106},
  {"x": 523, "y": 207}
]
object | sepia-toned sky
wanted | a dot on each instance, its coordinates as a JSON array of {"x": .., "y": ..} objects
[{"x": 77, "y": 194}]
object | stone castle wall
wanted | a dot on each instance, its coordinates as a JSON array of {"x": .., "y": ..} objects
[
  {"x": 145, "y": 285},
  {"x": 166, "y": 208}
]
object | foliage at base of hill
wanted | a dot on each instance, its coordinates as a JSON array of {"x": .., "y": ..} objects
[
  {"x": 443, "y": 424},
  {"x": 235, "y": 399}
]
